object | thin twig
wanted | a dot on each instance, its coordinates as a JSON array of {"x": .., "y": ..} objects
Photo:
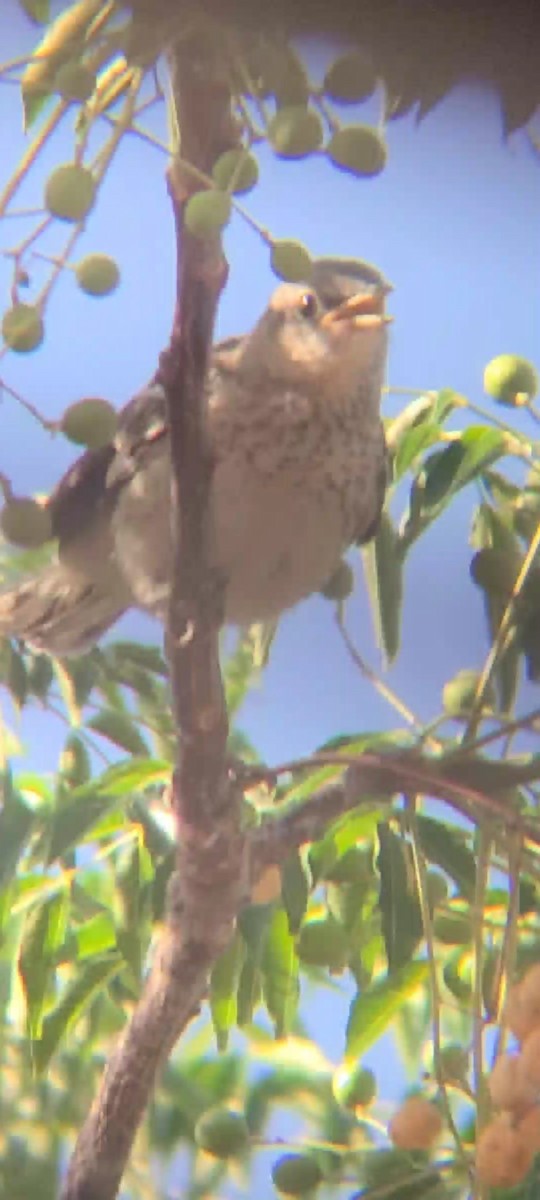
[
  {"x": 484, "y": 843},
  {"x": 422, "y": 887},
  {"x": 380, "y": 686}
]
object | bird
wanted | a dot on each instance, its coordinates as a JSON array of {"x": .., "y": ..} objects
[{"x": 292, "y": 413}]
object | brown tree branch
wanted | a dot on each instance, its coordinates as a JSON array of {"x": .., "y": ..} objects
[
  {"x": 208, "y": 890},
  {"x": 377, "y": 778}
]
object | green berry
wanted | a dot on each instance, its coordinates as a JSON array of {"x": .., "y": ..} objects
[
  {"x": 206, "y": 213},
  {"x": 22, "y": 328},
  {"x": 295, "y": 131},
  {"x": 296, "y": 1174},
  {"x": 291, "y": 260},
  {"x": 353, "y": 1085},
  {"x": 25, "y": 523},
  {"x": 90, "y": 423},
  {"x": 97, "y": 274},
  {"x": 236, "y": 171},
  {"x": 510, "y": 379},
  {"x": 350, "y": 78},
  {"x": 359, "y": 149},
  {"x": 70, "y": 192},
  {"x": 222, "y": 1132}
]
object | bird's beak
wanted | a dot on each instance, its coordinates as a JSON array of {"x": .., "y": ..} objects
[{"x": 365, "y": 311}]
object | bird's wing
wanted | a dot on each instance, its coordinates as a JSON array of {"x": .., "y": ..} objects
[
  {"x": 87, "y": 493},
  {"x": 73, "y": 502}
]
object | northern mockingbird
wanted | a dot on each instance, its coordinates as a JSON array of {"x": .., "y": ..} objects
[{"x": 299, "y": 470}]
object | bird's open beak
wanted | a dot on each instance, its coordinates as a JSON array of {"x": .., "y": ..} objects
[{"x": 364, "y": 311}]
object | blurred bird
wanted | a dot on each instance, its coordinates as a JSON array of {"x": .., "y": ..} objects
[{"x": 299, "y": 473}]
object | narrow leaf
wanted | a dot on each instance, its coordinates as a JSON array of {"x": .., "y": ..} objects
[
  {"x": 398, "y": 900},
  {"x": 224, "y": 982},
  {"x": 445, "y": 847},
  {"x": 38, "y": 10},
  {"x": 78, "y": 995},
  {"x": 295, "y": 888},
  {"x": 17, "y": 822},
  {"x": 249, "y": 992},
  {"x": 96, "y": 936},
  {"x": 448, "y": 470},
  {"x": 17, "y": 678},
  {"x": 57, "y": 45},
  {"x": 440, "y": 471},
  {"x": 73, "y": 820},
  {"x": 280, "y": 973},
  {"x": 372, "y": 1011},
  {"x": 44, "y": 932},
  {"x": 149, "y": 658},
  {"x": 415, "y": 441},
  {"x": 127, "y": 777},
  {"x": 120, "y": 729},
  {"x": 383, "y": 574}
]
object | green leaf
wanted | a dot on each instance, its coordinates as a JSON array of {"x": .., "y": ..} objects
[
  {"x": 149, "y": 658},
  {"x": 120, "y": 729},
  {"x": 77, "y": 996},
  {"x": 127, "y": 777},
  {"x": 445, "y": 846},
  {"x": 37, "y": 10},
  {"x": 158, "y": 839},
  {"x": 448, "y": 470},
  {"x": 457, "y": 975},
  {"x": 69, "y": 692},
  {"x": 75, "y": 766},
  {"x": 135, "y": 876},
  {"x": 96, "y": 936},
  {"x": 253, "y": 923},
  {"x": 355, "y": 826},
  {"x": 440, "y": 473},
  {"x": 416, "y": 413},
  {"x": 73, "y": 819},
  {"x": 40, "y": 675},
  {"x": 493, "y": 528},
  {"x": 398, "y": 900},
  {"x": 295, "y": 888},
  {"x": 60, "y": 42},
  {"x": 17, "y": 822},
  {"x": 249, "y": 992},
  {"x": 280, "y": 973},
  {"x": 372, "y": 1011},
  {"x": 444, "y": 403},
  {"x": 351, "y": 905},
  {"x": 43, "y": 934},
  {"x": 224, "y": 982},
  {"x": 383, "y": 574},
  {"x": 412, "y": 444},
  {"x": 301, "y": 791},
  {"x": 17, "y": 679},
  {"x": 34, "y": 103}
]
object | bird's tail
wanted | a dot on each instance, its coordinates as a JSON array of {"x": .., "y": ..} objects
[{"x": 58, "y": 611}]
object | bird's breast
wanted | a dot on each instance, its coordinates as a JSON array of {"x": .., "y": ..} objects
[
  {"x": 283, "y": 514},
  {"x": 287, "y": 497}
]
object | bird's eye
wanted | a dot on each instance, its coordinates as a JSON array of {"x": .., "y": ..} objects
[{"x": 308, "y": 305}]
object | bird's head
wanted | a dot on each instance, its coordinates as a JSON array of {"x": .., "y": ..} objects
[{"x": 331, "y": 332}]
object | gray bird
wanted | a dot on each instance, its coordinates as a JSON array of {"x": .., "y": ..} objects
[{"x": 299, "y": 473}]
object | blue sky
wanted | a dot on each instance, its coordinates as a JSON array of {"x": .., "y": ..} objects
[{"x": 452, "y": 221}]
